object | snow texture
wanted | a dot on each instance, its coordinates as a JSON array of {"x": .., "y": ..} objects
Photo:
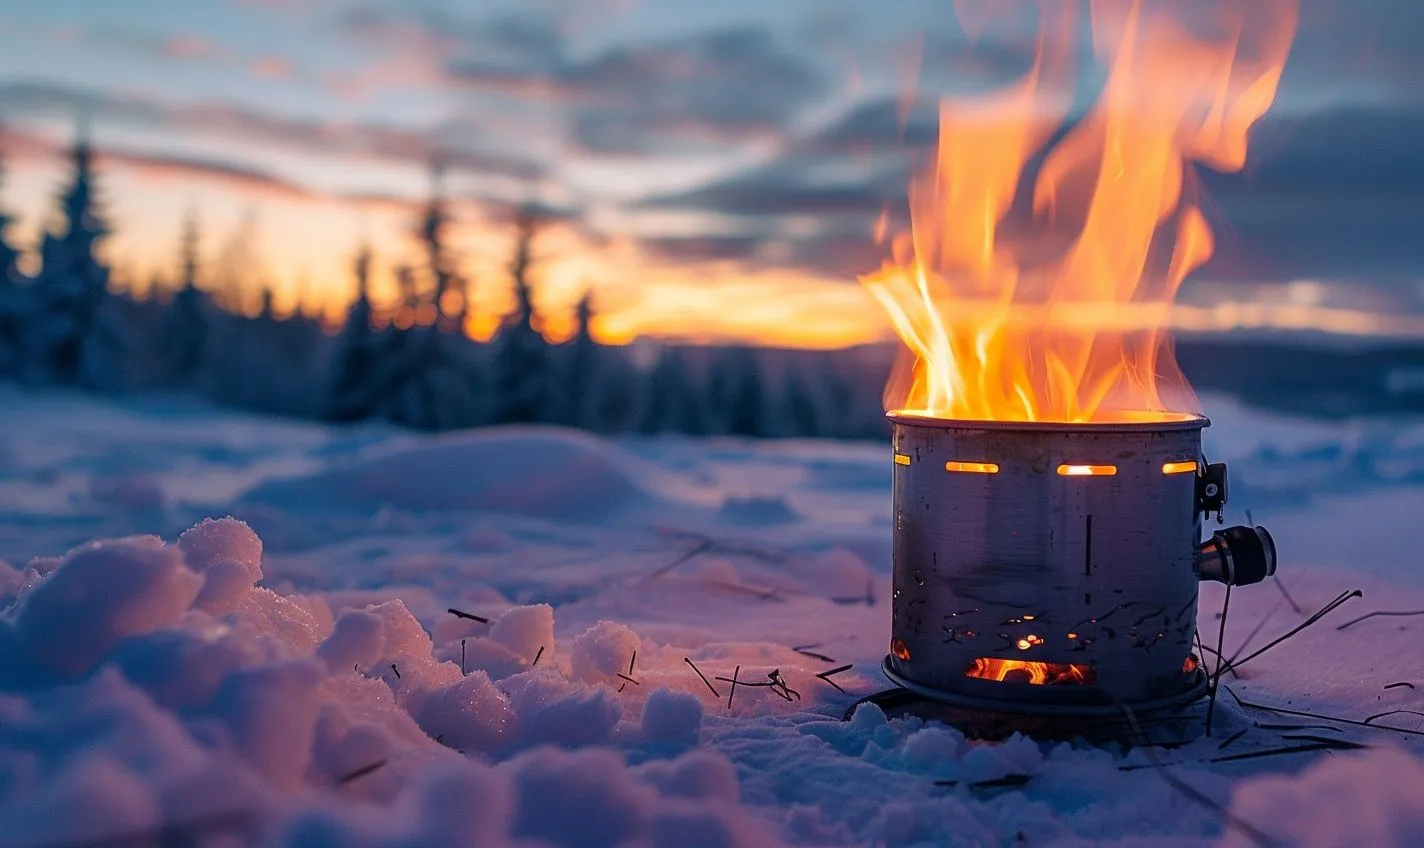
[{"x": 266, "y": 657}]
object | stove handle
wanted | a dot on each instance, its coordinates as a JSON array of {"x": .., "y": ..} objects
[{"x": 1237, "y": 556}]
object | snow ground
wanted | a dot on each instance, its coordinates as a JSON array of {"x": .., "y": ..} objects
[{"x": 149, "y": 690}]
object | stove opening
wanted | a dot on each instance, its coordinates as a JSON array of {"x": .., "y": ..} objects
[
  {"x": 1066, "y": 470},
  {"x": 1036, "y": 673},
  {"x": 971, "y": 467}
]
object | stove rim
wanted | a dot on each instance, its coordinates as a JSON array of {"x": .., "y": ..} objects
[
  {"x": 1189, "y": 421},
  {"x": 1191, "y": 694}
]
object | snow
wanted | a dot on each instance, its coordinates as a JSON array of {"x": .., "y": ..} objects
[{"x": 266, "y": 653}]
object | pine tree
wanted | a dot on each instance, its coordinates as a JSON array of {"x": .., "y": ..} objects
[
  {"x": 13, "y": 297},
  {"x": 580, "y": 366},
  {"x": 522, "y": 391},
  {"x": 75, "y": 335},
  {"x": 354, "y": 393},
  {"x": 736, "y": 394},
  {"x": 451, "y": 295},
  {"x": 672, "y": 404},
  {"x": 187, "y": 321},
  {"x": 801, "y": 415}
]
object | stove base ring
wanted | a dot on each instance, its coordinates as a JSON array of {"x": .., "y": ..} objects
[{"x": 969, "y": 702}]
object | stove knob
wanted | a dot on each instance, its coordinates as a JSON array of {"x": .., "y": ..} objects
[{"x": 1237, "y": 556}]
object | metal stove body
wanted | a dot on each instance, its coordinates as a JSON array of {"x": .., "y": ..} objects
[{"x": 1053, "y": 568}]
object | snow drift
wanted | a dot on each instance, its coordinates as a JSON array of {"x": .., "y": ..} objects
[{"x": 547, "y": 472}]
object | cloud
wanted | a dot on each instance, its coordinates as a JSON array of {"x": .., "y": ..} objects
[
  {"x": 184, "y": 47},
  {"x": 1336, "y": 194},
  {"x": 271, "y": 67},
  {"x": 637, "y": 98},
  {"x": 227, "y": 120}
]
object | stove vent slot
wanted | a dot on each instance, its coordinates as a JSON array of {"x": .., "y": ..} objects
[
  {"x": 1067, "y": 470},
  {"x": 971, "y": 467}
]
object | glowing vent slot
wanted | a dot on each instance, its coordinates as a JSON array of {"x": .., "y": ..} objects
[
  {"x": 972, "y": 467},
  {"x": 1087, "y": 470},
  {"x": 1186, "y": 466},
  {"x": 901, "y": 459},
  {"x": 1036, "y": 673}
]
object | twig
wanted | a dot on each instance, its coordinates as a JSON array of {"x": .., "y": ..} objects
[
  {"x": 1232, "y": 738},
  {"x": 1216, "y": 675},
  {"x": 734, "y": 687},
  {"x": 360, "y": 772},
  {"x": 462, "y": 658},
  {"x": 1400, "y": 685},
  {"x": 537, "y": 655},
  {"x": 1353, "y": 622},
  {"x": 780, "y": 687},
  {"x": 1280, "y": 584},
  {"x": 826, "y": 676},
  {"x": 1299, "y": 727},
  {"x": 1008, "y": 780},
  {"x": 1390, "y": 713},
  {"x": 396, "y": 670},
  {"x": 1204, "y": 651},
  {"x": 1322, "y": 716},
  {"x": 631, "y": 660},
  {"x": 703, "y": 547},
  {"x": 1330, "y": 742},
  {"x": 1250, "y": 637},
  {"x": 629, "y": 679},
  {"x": 1276, "y": 752},
  {"x": 469, "y": 615},
  {"x": 1323, "y": 611},
  {"x": 1251, "y": 831},
  {"x": 710, "y": 687},
  {"x": 812, "y": 654}
]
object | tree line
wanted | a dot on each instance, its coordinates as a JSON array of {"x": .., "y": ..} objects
[{"x": 410, "y": 362}]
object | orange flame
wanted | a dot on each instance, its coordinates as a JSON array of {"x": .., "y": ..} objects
[
  {"x": 1037, "y": 673},
  {"x": 1059, "y": 311}
]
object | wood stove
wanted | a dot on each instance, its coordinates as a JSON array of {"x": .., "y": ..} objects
[{"x": 1047, "y": 568}]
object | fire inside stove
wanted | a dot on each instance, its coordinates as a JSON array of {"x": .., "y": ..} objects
[
  {"x": 1036, "y": 673},
  {"x": 1049, "y": 481}
]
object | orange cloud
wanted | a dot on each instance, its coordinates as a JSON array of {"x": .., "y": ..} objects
[{"x": 271, "y": 67}]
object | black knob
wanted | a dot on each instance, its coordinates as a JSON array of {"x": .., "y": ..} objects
[{"x": 1237, "y": 556}]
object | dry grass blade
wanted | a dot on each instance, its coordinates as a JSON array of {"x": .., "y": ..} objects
[
  {"x": 1247, "y": 829},
  {"x": 467, "y": 615},
  {"x": 1380, "y": 613},
  {"x": 1306, "y": 714},
  {"x": 804, "y": 650},
  {"x": 1216, "y": 675},
  {"x": 1339, "y": 601},
  {"x": 360, "y": 772},
  {"x": 1370, "y": 720},
  {"x": 710, "y": 687},
  {"x": 702, "y": 547}
]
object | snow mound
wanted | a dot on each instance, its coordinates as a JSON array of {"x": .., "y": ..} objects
[
  {"x": 1382, "y": 790},
  {"x": 603, "y": 652},
  {"x": 130, "y": 709},
  {"x": 536, "y": 471},
  {"x": 757, "y": 510}
]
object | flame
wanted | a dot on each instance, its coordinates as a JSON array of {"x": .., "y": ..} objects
[
  {"x": 1037, "y": 673},
  {"x": 1058, "y": 311}
]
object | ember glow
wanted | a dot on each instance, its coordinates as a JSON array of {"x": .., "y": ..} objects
[
  {"x": 1037, "y": 673},
  {"x": 1054, "y": 305}
]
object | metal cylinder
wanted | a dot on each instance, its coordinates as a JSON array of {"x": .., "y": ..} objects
[{"x": 1046, "y": 568}]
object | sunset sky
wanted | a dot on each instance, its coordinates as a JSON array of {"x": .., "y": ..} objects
[{"x": 714, "y": 169}]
